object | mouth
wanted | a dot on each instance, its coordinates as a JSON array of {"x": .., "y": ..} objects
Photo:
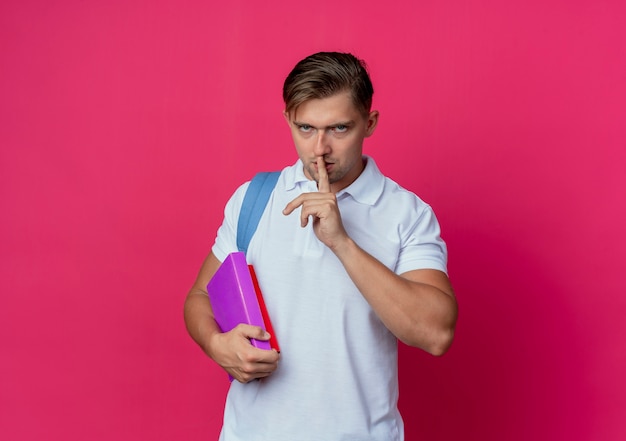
[{"x": 328, "y": 165}]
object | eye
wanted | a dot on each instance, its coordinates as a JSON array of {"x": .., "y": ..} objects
[
  {"x": 305, "y": 128},
  {"x": 339, "y": 129}
]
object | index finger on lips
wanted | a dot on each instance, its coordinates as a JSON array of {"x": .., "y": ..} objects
[{"x": 323, "y": 184}]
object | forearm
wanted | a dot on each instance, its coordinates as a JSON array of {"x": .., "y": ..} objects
[
  {"x": 198, "y": 313},
  {"x": 199, "y": 319},
  {"x": 419, "y": 309}
]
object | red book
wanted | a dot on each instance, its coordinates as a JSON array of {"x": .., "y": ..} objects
[{"x": 236, "y": 298}]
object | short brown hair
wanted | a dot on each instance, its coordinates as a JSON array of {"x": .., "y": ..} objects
[{"x": 325, "y": 74}]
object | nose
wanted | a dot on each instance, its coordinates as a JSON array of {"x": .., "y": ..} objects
[{"x": 322, "y": 143}]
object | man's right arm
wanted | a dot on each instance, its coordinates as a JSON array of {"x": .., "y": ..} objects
[{"x": 231, "y": 350}]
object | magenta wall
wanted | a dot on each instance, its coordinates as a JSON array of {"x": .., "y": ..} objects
[{"x": 125, "y": 126}]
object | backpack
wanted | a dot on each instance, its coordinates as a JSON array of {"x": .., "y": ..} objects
[{"x": 254, "y": 202}]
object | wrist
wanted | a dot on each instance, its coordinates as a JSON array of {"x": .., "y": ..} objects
[
  {"x": 210, "y": 343},
  {"x": 343, "y": 248}
]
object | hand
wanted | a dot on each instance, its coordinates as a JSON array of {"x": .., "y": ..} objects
[
  {"x": 322, "y": 207},
  {"x": 235, "y": 354}
]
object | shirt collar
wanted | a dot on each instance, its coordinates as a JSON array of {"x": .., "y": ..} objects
[
  {"x": 366, "y": 189},
  {"x": 294, "y": 176}
]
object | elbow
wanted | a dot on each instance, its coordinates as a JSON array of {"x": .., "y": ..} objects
[
  {"x": 440, "y": 345},
  {"x": 433, "y": 335},
  {"x": 435, "y": 343},
  {"x": 443, "y": 335}
]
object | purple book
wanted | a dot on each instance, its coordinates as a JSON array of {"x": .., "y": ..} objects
[{"x": 234, "y": 298}]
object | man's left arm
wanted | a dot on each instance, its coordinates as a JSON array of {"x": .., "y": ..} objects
[{"x": 418, "y": 307}]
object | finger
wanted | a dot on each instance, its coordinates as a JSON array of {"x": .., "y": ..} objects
[
  {"x": 323, "y": 185},
  {"x": 259, "y": 361},
  {"x": 292, "y": 206},
  {"x": 255, "y": 332},
  {"x": 252, "y": 368},
  {"x": 297, "y": 202}
]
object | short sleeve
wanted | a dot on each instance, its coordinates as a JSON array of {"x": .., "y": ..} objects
[
  {"x": 226, "y": 239},
  {"x": 423, "y": 247}
]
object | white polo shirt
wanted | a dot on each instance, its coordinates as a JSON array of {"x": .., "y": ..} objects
[{"x": 337, "y": 378}]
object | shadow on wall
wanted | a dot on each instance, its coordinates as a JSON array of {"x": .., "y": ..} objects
[{"x": 516, "y": 370}]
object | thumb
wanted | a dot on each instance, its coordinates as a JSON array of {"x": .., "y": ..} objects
[{"x": 255, "y": 332}]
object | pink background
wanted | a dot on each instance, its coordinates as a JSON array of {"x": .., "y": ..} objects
[{"x": 126, "y": 125}]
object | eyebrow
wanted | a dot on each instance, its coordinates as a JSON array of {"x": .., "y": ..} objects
[{"x": 331, "y": 126}]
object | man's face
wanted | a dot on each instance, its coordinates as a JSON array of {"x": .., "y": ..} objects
[{"x": 334, "y": 129}]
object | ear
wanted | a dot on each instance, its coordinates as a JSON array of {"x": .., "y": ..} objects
[
  {"x": 372, "y": 122},
  {"x": 286, "y": 115}
]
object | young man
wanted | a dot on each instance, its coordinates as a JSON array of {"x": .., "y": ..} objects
[{"x": 348, "y": 261}]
